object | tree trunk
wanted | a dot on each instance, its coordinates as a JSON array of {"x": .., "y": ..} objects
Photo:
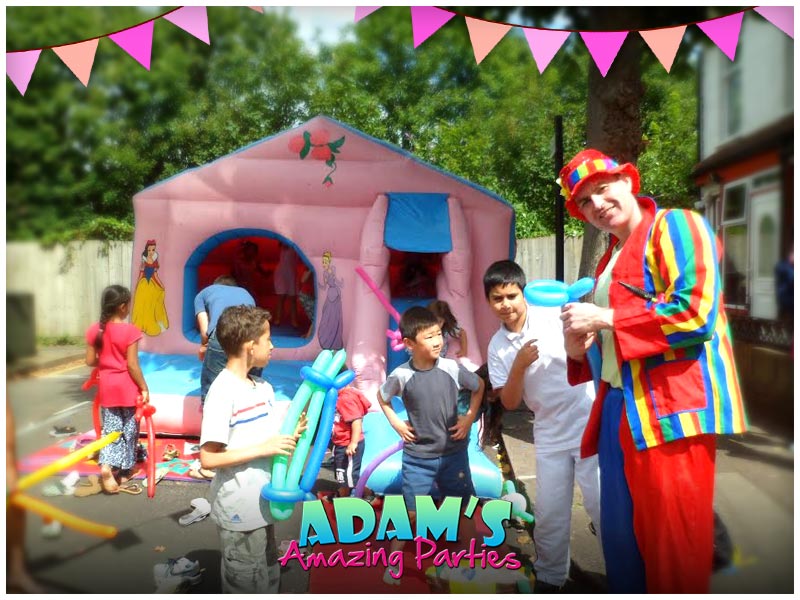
[{"x": 613, "y": 126}]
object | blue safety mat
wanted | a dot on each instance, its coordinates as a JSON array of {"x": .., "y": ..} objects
[{"x": 179, "y": 374}]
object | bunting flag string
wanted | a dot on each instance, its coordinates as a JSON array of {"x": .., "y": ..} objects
[
  {"x": 136, "y": 41},
  {"x": 603, "y": 46}
]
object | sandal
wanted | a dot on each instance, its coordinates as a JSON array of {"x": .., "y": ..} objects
[
  {"x": 170, "y": 452},
  {"x": 201, "y": 510},
  {"x": 90, "y": 488},
  {"x": 62, "y": 430},
  {"x": 201, "y": 474},
  {"x": 161, "y": 472},
  {"x": 132, "y": 488}
]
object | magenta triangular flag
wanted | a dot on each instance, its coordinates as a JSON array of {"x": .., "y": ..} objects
[
  {"x": 136, "y": 41},
  {"x": 780, "y": 16},
  {"x": 724, "y": 32},
  {"x": 604, "y": 47},
  {"x": 427, "y": 20},
  {"x": 192, "y": 19},
  {"x": 544, "y": 43},
  {"x": 20, "y": 66},
  {"x": 364, "y": 11}
]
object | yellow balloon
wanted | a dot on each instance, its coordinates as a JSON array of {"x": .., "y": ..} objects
[
  {"x": 67, "y": 519},
  {"x": 62, "y": 463}
]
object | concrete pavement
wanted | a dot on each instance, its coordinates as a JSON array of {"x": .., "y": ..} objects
[{"x": 754, "y": 495}]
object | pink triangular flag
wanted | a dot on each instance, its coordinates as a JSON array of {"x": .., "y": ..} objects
[
  {"x": 79, "y": 58},
  {"x": 257, "y": 9},
  {"x": 427, "y": 20},
  {"x": 780, "y": 16},
  {"x": 192, "y": 19},
  {"x": 484, "y": 36},
  {"x": 544, "y": 43},
  {"x": 364, "y": 11},
  {"x": 664, "y": 43},
  {"x": 724, "y": 32},
  {"x": 20, "y": 66},
  {"x": 604, "y": 47},
  {"x": 136, "y": 41}
]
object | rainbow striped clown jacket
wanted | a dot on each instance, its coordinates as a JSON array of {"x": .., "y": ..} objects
[{"x": 673, "y": 347}]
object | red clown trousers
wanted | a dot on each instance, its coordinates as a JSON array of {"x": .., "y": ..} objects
[{"x": 669, "y": 506}]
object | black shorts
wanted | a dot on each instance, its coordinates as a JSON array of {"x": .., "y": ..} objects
[{"x": 347, "y": 468}]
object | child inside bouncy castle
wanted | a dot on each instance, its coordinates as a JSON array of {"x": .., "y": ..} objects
[
  {"x": 348, "y": 439},
  {"x": 450, "y": 328}
]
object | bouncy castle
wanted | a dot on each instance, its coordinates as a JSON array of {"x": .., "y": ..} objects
[{"x": 291, "y": 217}]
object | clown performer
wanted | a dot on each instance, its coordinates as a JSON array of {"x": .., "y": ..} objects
[{"x": 668, "y": 381}]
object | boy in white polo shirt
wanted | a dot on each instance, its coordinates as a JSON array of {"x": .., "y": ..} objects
[
  {"x": 239, "y": 437},
  {"x": 527, "y": 362}
]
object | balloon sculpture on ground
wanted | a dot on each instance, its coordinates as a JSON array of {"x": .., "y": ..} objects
[
  {"x": 51, "y": 512},
  {"x": 551, "y": 292},
  {"x": 322, "y": 384}
]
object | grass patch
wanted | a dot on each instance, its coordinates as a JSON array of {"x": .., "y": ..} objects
[{"x": 59, "y": 340}]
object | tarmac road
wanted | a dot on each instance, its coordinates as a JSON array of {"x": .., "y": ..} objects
[{"x": 149, "y": 531}]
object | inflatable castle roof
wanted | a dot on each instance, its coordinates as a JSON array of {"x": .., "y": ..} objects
[{"x": 340, "y": 199}]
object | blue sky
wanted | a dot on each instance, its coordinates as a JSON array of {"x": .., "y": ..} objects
[{"x": 328, "y": 21}]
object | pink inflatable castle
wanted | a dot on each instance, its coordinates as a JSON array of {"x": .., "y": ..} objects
[{"x": 291, "y": 217}]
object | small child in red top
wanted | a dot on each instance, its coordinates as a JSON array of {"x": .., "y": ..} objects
[
  {"x": 348, "y": 438},
  {"x": 112, "y": 346}
]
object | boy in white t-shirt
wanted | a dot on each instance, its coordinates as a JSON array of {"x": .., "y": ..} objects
[
  {"x": 527, "y": 362},
  {"x": 239, "y": 437}
]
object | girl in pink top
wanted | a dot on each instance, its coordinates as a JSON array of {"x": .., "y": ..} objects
[{"x": 112, "y": 347}]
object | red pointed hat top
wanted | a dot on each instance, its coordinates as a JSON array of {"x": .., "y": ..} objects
[{"x": 585, "y": 165}]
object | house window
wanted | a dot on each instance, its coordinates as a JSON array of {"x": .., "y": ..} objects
[
  {"x": 735, "y": 240},
  {"x": 768, "y": 237},
  {"x": 732, "y": 92}
]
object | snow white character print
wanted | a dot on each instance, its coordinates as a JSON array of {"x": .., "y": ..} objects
[{"x": 149, "y": 313}]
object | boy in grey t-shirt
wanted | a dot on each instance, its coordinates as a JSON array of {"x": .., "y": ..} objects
[{"x": 435, "y": 436}]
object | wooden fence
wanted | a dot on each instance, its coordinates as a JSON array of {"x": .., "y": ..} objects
[{"x": 65, "y": 282}]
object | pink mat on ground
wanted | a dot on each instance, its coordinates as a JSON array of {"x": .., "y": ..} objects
[{"x": 178, "y": 467}]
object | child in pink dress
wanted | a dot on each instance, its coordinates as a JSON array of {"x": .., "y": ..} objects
[{"x": 113, "y": 348}]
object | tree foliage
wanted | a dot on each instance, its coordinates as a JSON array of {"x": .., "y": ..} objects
[{"x": 76, "y": 156}]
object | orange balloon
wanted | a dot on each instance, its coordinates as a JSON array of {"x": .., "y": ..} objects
[{"x": 67, "y": 519}]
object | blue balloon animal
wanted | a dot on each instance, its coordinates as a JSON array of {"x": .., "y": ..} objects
[{"x": 551, "y": 292}]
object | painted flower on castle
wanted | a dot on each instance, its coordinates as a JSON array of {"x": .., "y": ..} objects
[{"x": 319, "y": 146}]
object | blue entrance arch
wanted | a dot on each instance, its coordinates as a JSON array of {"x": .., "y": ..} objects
[{"x": 190, "y": 280}]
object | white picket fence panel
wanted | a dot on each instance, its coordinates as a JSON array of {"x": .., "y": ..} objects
[{"x": 66, "y": 281}]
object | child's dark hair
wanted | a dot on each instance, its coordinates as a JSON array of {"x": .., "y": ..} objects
[
  {"x": 491, "y": 410},
  {"x": 110, "y": 300},
  {"x": 225, "y": 280},
  {"x": 238, "y": 325},
  {"x": 441, "y": 309},
  {"x": 415, "y": 319},
  {"x": 503, "y": 272}
]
